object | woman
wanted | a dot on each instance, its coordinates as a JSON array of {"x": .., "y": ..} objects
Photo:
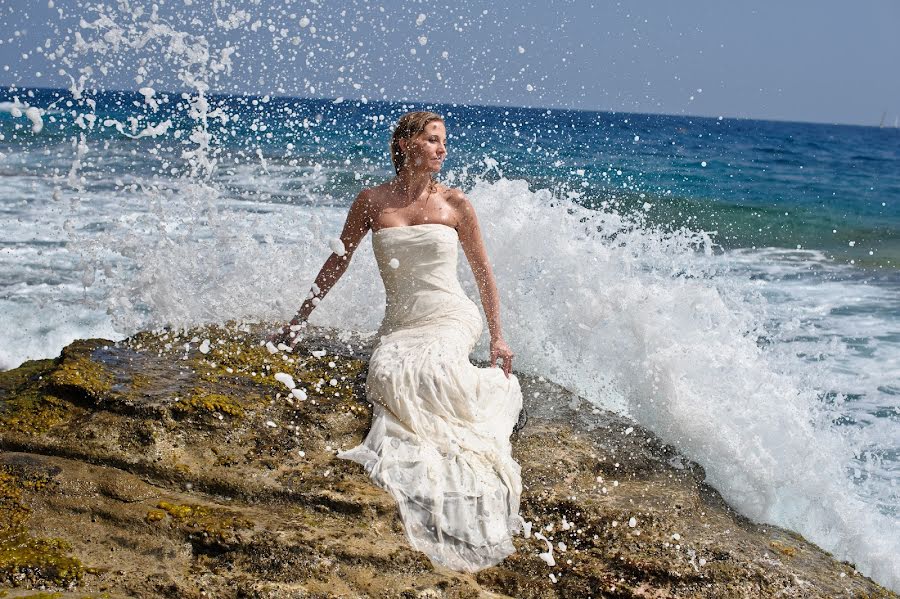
[{"x": 439, "y": 441}]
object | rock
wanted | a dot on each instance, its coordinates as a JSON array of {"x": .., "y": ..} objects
[{"x": 146, "y": 469}]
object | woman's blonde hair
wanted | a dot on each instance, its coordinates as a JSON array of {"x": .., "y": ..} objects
[{"x": 409, "y": 125}]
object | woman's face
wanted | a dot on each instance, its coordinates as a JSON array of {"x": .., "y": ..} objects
[{"x": 427, "y": 150}]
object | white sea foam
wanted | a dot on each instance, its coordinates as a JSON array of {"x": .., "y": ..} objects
[{"x": 641, "y": 323}]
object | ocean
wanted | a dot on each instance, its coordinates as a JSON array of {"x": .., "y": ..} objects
[{"x": 732, "y": 285}]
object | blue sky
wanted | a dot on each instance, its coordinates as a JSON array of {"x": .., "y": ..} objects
[{"x": 819, "y": 61}]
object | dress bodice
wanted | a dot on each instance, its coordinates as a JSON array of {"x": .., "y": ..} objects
[{"x": 418, "y": 267}]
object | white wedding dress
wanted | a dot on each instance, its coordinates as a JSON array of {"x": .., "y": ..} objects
[{"x": 439, "y": 442}]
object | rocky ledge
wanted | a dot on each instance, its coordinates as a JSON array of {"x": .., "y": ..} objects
[{"x": 175, "y": 464}]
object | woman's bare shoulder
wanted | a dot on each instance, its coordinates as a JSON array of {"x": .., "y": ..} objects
[
  {"x": 457, "y": 201},
  {"x": 375, "y": 195}
]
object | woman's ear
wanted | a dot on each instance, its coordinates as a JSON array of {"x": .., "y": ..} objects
[{"x": 402, "y": 143}]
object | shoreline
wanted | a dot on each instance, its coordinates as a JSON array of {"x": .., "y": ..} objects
[{"x": 142, "y": 468}]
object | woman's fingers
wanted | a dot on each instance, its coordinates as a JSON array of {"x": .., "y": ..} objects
[
  {"x": 505, "y": 356},
  {"x": 294, "y": 339},
  {"x": 282, "y": 335},
  {"x": 506, "y": 360}
]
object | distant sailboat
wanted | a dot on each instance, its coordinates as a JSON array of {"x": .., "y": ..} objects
[{"x": 896, "y": 121}]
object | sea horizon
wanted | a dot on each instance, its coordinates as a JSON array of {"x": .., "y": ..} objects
[{"x": 285, "y": 96}]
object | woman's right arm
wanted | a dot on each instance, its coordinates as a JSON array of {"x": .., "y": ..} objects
[{"x": 355, "y": 228}]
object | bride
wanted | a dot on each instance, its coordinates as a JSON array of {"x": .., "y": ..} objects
[{"x": 439, "y": 440}]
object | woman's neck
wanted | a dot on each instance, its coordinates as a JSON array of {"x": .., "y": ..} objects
[{"x": 411, "y": 185}]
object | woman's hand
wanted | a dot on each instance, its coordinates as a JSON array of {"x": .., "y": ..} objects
[
  {"x": 499, "y": 349},
  {"x": 288, "y": 334}
]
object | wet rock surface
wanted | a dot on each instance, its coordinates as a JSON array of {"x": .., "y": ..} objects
[{"x": 176, "y": 465}]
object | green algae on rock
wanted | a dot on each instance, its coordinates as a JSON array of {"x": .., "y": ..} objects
[
  {"x": 23, "y": 557},
  {"x": 78, "y": 373},
  {"x": 25, "y": 405},
  {"x": 216, "y": 525},
  {"x": 212, "y": 403}
]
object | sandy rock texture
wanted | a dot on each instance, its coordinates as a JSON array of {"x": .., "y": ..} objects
[{"x": 175, "y": 464}]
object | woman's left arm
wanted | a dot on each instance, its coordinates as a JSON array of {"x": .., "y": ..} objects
[{"x": 473, "y": 246}]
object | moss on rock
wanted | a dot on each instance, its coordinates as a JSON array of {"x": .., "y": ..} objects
[
  {"x": 34, "y": 412},
  {"x": 25, "y": 406},
  {"x": 24, "y": 558},
  {"x": 330, "y": 377},
  {"x": 77, "y": 373},
  {"x": 26, "y": 375},
  {"x": 213, "y": 525},
  {"x": 211, "y": 403}
]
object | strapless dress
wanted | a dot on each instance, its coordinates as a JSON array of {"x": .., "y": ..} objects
[{"x": 439, "y": 440}]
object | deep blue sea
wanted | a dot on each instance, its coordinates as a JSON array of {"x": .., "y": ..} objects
[{"x": 733, "y": 285}]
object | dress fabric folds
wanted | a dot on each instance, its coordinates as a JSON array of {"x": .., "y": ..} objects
[{"x": 439, "y": 441}]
